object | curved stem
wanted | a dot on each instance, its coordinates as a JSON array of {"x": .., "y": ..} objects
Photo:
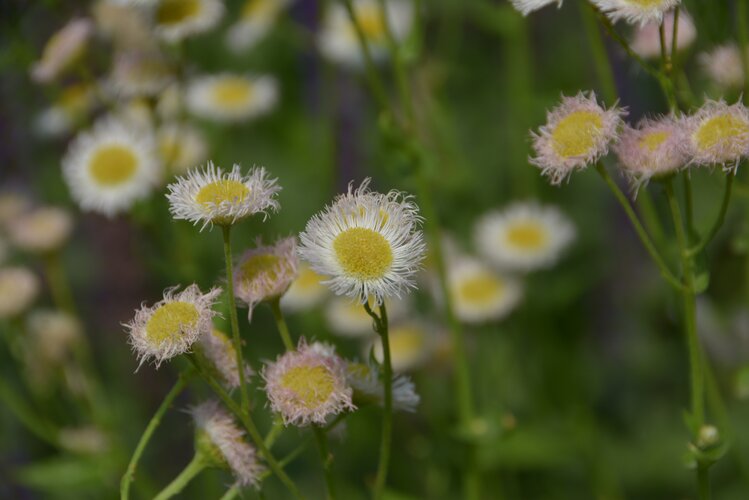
[
  {"x": 600, "y": 57},
  {"x": 327, "y": 460},
  {"x": 195, "y": 467},
  {"x": 283, "y": 329},
  {"x": 719, "y": 220}
]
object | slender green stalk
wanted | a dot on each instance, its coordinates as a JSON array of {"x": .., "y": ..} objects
[
  {"x": 666, "y": 69},
  {"x": 58, "y": 283},
  {"x": 275, "y": 431},
  {"x": 600, "y": 57},
  {"x": 650, "y": 215},
  {"x": 231, "y": 493},
  {"x": 127, "y": 478},
  {"x": 195, "y": 467},
  {"x": 703, "y": 482},
  {"x": 233, "y": 318},
  {"x": 34, "y": 424},
  {"x": 283, "y": 329},
  {"x": 404, "y": 90},
  {"x": 689, "y": 206},
  {"x": 327, "y": 460},
  {"x": 719, "y": 220},
  {"x": 742, "y": 15}
]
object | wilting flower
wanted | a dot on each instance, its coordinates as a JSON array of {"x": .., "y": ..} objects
[
  {"x": 228, "y": 97},
  {"x": 138, "y": 73},
  {"x": 19, "y": 288},
  {"x": 42, "y": 230},
  {"x": 646, "y": 41},
  {"x": 577, "y": 133},
  {"x": 718, "y": 134},
  {"x": 212, "y": 196},
  {"x": 171, "y": 326},
  {"x": 524, "y": 236},
  {"x": 218, "y": 350},
  {"x": 62, "y": 50},
  {"x": 54, "y": 334},
  {"x": 653, "y": 148},
  {"x": 266, "y": 272},
  {"x": 411, "y": 344},
  {"x": 181, "y": 146},
  {"x": 305, "y": 292},
  {"x": 723, "y": 65},
  {"x": 308, "y": 385},
  {"x": 255, "y": 21},
  {"x": 69, "y": 110},
  {"x": 111, "y": 167},
  {"x": 178, "y": 19},
  {"x": 223, "y": 443},
  {"x": 636, "y": 11},
  {"x": 368, "y": 387},
  {"x": 369, "y": 244},
  {"x": 479, "y": 293},
  {"x": 348, "y": 318},
  {"x": 528, "y": 6},
  {"x": 338, "y": 39}
]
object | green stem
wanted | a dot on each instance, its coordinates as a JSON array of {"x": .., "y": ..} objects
[
  {"x": 742, "y": 13},
  {"x": 404, "y": 90},
  {"x": 40, "y": 428},
  {"x": 719, "y": 220},
  {"x": 600, "y": 57},
  {"x": 127, "y": 478},
  {"x": 327, "y": 460},
  {"x": 58, "y": 283},
  {"x": 703, "y": 482},
  {"x": 666, "y": 69},
  {"x": 231, "y": 493},
  {"x": 234, "y": 320},
  {"x": 275, "y": 431},
  {"x": 650, "y": 215},
  {"x": 195, "y": 467},
  {"x": 283, "y": 329},
  {"x": 641, "y": 233},
  {"x": 689, "y": 206}
]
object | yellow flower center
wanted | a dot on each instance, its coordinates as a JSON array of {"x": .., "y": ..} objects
[
  {"x": 307, "y": 278},
  {"x": 176, "y": 11},
  {"x": 170, "y": 148},
  {"x": 480, "y": 289},
  {"x": 527, "y": 235},
  {"x": 371, "y": 21},
  {"x": 363, "y": 253},
  {"x": 647, "y": 3},
  {"x": 257, "y": 265},
  {"x": 720, "y": 129},
  {"x": 406, "y": 342},
  {"x": 113, "y": 165},
  {"x": 259, "y": 8},
  {"x": 358, "y": 370},
  {"x": 171, "y": 320},
  {"x": 73, "y": 99},
  {"x": 232, "y": 91},
  {"x": 312, "y": 385},
  {"x": 224, "y": 190},
  {"x": 577, "y": 133},
  {"x": 654, "y": 140}
]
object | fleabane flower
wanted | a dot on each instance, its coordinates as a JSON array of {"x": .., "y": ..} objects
[
  {"x": 177, "y": 19},
  {"x": 411, "y": 345},
  {"x": 111, "y": 167},
  {"x": 53, "y": 335},
  {"x": 348, "y": 318},
  {"x": 223, "y": 444},
  {"x": 524, "y": 236},
  {"x": 653, "y": 148},
  {"x": 137, "y": 73},
  {"x": 636, "y": 11},
  {"x": 12, "y": 205},
  {"x": 210, "y": 196},
  {"x": 171, "y": 326},
  {"x": 69, "y": 110},
  {"x": 528, "y": 6},
  {"x": 231, "y": 98},
  {"x": 62, "y": 50},
  {"x": 265, "y": 273},
  {"x": 308, "y": 385},
  {"x": 479, "y": 293},
  {"x": 256, "y": 19},
  {"x": 218, "y": 350},
  {"x": 723, "y": 66},
  {"x": 306, "y": 291},
  {"x": 718, "y": 134},
  {"x": 368, "y": 388},
  {"x": 646, "y": 41},
  {"x": 42, "y": 230},
  {"x": 19, "y": 287},
  {"x": 367, "y": 243},
  {"x": 577, "y": 133},
  {"x": 181, "y": 146}
]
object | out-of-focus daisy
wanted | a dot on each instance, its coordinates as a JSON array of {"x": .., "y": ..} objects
[
  {"x": 368, "y": 387},
  {"x": 723, "y": 65},
  {"x": 177, "y": 19},
  {"x": 19, "y": 288},
  {"x": 411, "y": 344},
  {"x": 524, "y": 236},
  {"x": 181, "y": 146},
  {"x": 171, "y": 326},
  {"x": 528, "y": 6},
  {"x": 646, "y": 41},
  {"x": 368, "y": 244},
  {"x": 223, "y": 443},
  {"x": 12, "y": 205},
  {"x": 577, "y": 133},
  {"x": 211, "y": 196},
  {"x": 255, "y": 21},
  {"x": 636, "y": 11},
  {"x": 54, "y": 335},
  {"x": 479, "y": 293},
  {"x": 265, "y": 273},
  {"x": 305, "y": 292},
  {"x": 170, "y": 103},
  {"x": 308, "y": 385},
  {"x": 124, "y": 24},
  {"x": 42, "y": 230},
  {"x": 349, "y": 319},
  {"x": 718, "y": 134},
  {"x": 138, "y": 73},
  {"x": 62, "y": 50},
  {"x": 87, "y": 440},
  {"x": 217, "y": 349},
  {"x": 653, "y": 148},
  {"x": 338, "y": 40},
  {"x": 231, "y": 97},
  {"x": 70, "y": 109},
  {"x": 112, "y": 166}
]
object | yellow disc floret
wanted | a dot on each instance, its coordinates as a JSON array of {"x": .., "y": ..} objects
[
  {"x": 653, "y": 140},
  {"x": 258, "y": 265},
  {"x": 176, "y": 11},
  {"x": 577, "y": 134},
  {"x": 312, "y": 385},
  {"x": 371, "y": 21},
  {"x": 363, "y": 253},
  {"x": 225, "y": 190},
  {"x": 232, "y": 91},
  {"x": 170, "y": 320},
  {"x": 112, "y": 165},
  {"x": 527, "y": 236},
  {"x": 480, "y": 289},
  {"x": 719, "y": 129}
]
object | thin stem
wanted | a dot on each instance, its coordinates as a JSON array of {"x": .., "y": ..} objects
[
  {"x": 404, "y": 90},
  {"x": 127, "y": 478},
  {"x": 40, "y": 428},
  {"x": 234, "y": 320},
  {"x": 275, "y": 431},
  {"x": 666, "y": 82},
  {"x": 650, "y": 215},
  {"x": 283, "y": 329},
  {"x": 231, "y": 493},
  {"x": 720, "y": 219},
  {"x": 327, "y": 460},
  {"x": 195, "y": 467},
  {"x": 703, "y": 482},
  {"x": 675, "y": 35},
  {"x": 742, "y": 14},
  {"x": 641, "y": 233},
  {"x": 600, "y": 57},
  {"x": 689, "y": 206},
  {"x": 58, "y": 283}
]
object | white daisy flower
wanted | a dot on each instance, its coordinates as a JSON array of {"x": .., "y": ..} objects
[
  {"x": 411, "y": 345},
  {"x": 524, "y": 236},
  {"x": 210, "y": 196},
  {"x": 19, "y": 287},
  {"x": 718, "y": 134},
  {"x": 69, "y": 110},
  {"x": 255, "y": 21},
  {"x": 479, "y": 293},
  {"x": 654, "y": 148},
  {"x": 124, "y": 23},
  {"x": 181, "y": 146},
  {"x": 646, "y": 41},
  {"x": 53, "y": 335},
  {"x": 348, "y": 318},
  {"x": 171, "y": 326},
  {"x": 636, "y": 11},
  {"x": 265, "y": 273},
  {"x": 178, "y": 19},
  {"x": 42, "y": 230},
  {"x": 137, "y": 73},
  {"x": 228, "y": 97},
  {"x": 368, "y": 387},
  {"x": 528, "y": 6},
  {"x": 62, "y": 50},
  {"x": 218, "y": 350},
  {"x": 111, "y": 167},
  {"x": 305, "y": 292},
  {"x": 369, "y": 244}
]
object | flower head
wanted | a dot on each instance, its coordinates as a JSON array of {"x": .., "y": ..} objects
[
  {"x": 369, "y": 244},
  {"x": 12, "y": 205},
  {"x": 653, "y": 148},
  {"x": 528, "y": 6},
  {"x": 646, "y": 41},
  {"x": 110, "y": 167},
  {"x": 62, "y": 50},
  {"x": 210, "y": 196},
  {"x": 42, "y": 230},
  {"x": 308, "y": 385},
  {"x": 218, "y": 350},
  {"x": 306, "y": 291},
  {"x": 256, "y": 19},
  {"x": 348, "y": 318},
  {"x": 171, "y": 326},
  {"x": 54, "y": 334},
  {"x": 718, "y": 134},
  {"x": 480, "y": 294},
  {"x": 221, "y": 441},
  {"x": 411, "y": 345},
  {"x": 181, "y": 146},
  {"x": 723, "y": 65},
  {"x": 368, "y": 387},
  {"x": 266, "y": 272},
  {"x": 69, "y": 109},
  {"x": 577, "y": 133},
  {"x": 636, "y": 11},
  {"x": 231, "y": 98},
  {"x": 178, "y": 19},
  {"x": 19, "y": 288},
  {"x": 139, "y": 73}
]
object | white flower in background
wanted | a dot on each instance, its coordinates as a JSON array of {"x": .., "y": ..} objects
[
  {"x": 62, "y": 50},
  {"x": 479, "y": 293},
  {"x": 723, "y": 66},
  {"x": 636, "y": 11},
  {"x": 646, "y": 41},
  {"x": 210, "y": 196},
  {"x": 653, "y": 148},
  {"x": 305, "y": 292},
  {"x": 53, "y": 334},
  {"x": 228, "y": 97},
  {"x": 110, "y": 167},
  {"x": 136, "y": 113},
  {"x": 528, "y": 6},
  {"x": 718, "y": 134},
  {"x": 70, "y": 109},
  {"x": 19, "y": 287},
  {"x": 524, "y": 236},
  {"x": 265, "y": 273},
  {"x": 218, "y": 350},
  {"x": 368, "y": 387},
  {"x": 42, "y": 230},
  {"x": 170, "y": 103},
  {"x": 137, "y": 73},
  {"x": 338, "y": 40},
  {"x": 84, "y": 440},
  {"x": 348, "y": 318},
  {"x": 256, "y": 19},
  {"x": 181, "y": 146},
  {"x": 125, "y": 24},
  {"x": 12, "y": 205},
  {"x": 178, "y": 19},
  {"x": 411, "y": 345}
]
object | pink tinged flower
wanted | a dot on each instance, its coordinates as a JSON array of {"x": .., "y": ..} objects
[
  {"x": 636, "y": 11},
  {"x": 220, "y": 356},
  {"x": 646, "y": 41},
  {"x": 718, "y": 134},
  {"x": 527, "y": 6},
  {"x": 577, "y": 133},
  {"x": 62, "y": 50},
  {"x": 308, "y": 385}
]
